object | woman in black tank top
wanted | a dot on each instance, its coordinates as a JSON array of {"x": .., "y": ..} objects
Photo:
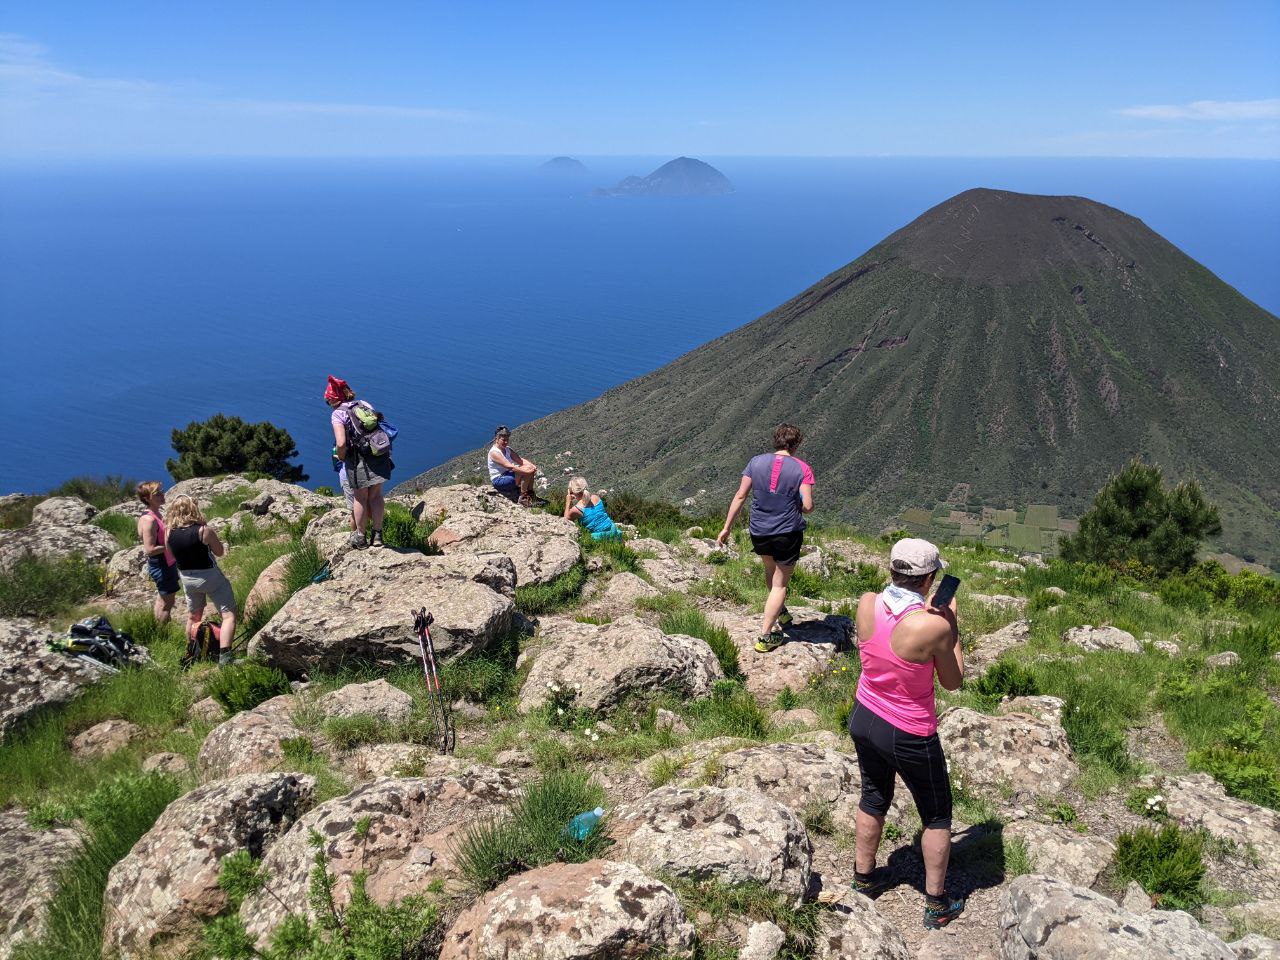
[{"x": 194, "y": 545}]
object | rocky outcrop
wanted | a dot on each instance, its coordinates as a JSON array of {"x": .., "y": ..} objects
[
  {"x": 127, "y": 575},
  {"x": 30, "y": 862},
  {"x": 598, "y": 910},
  {"x": 362, "y": 611},
  {"x": 853, "y": 928},
  {"x": 732, "y": 835},
  {"x": 1102, "y": 638},
  {"x": 158, "y": 896},
  {"x": 48, "y": 542},
  {"x": 988, "y": 648},
  {"x": 1198, "y": 801},
  {"x": 437, "y": 503},
  {"x": 1062, "y": 853},
  {"x": 1048, "y": 919},
  {"x": 1026, "y": 748},
  {"x": 1256, "y": 947},
  {"x": 605, "y": 664},
  {"x": 618, "y": 598},
  {"x": 250, "y": 742},
  {"x": 174, "y": 764},
  {"x": 376, "y": 698},
  {"x": 412, "y": 828},
  {"x": 796, "y": 775},
  {"x": 268, "y": 587},
  {"x": 399, "y": 760},
  {"x": 665, "y": 567},
  {"x": 63, "y": 512},
  {"x": 813, "y": 640},
  {"x": 1000, "y": 600},
  {"x": 32, "y": 676},
  {"x": 541, "y": 546},
  {"x": 104, "y": 738}
]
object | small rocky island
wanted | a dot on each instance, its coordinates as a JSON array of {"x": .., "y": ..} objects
[
  {"x": 563, "y": 166},
  {"x": 681, "y": 177}
]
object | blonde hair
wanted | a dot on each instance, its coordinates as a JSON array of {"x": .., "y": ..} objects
[
  {"x": 146, "y": 490},
  {"x": 183, "y": 511},
  {"x": 578, "y": 486}
]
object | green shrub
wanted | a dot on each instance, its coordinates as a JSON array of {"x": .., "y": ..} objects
[
  {"x": 115, "y": 815},
  {"x": 730, "y": 711},
  {"x": 628, "y": 507},
  {"x": 101, "y": 492},
  {"x": 755, "y": 901},
  {"x": 17, "y": 513},
  {"x": 839, "y": 584},
  {"x": 694, "y": 623},
  {"x": 401, "y": 531},
  {"x": 1248, "y": 774},
  {"x": 245, "y": 685},
  {"x": 225, "y": 444},
  {"x": 617, "y": 557},
  {"x": 560, "y": 594},
  {"x": 124, "y": 528},
  {"x": 483, "y": 676},
  {"x": 1169, "y": 864},
  {"x": 42, "y": 589},
  {"x": 534, "y": 833},
  {"x": 1007, "y": 678}
]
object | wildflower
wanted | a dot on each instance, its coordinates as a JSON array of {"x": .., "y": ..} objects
[
  {"x": 559, "y": 711},
  {"x": 586, "y": 732},
  {"x": 550, "y": 685},
  {"x": 595, "y": 738}
]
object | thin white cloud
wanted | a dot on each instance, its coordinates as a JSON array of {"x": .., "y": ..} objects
[
  {"x": 1218, "y": 110},
  {"x": 25, "y": 64},
  {"x": 346, "y": 109}
]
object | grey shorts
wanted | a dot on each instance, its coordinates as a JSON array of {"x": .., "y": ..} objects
[
  {"x": 212, "y": 584},
  {"x": 369, "y": 472}
]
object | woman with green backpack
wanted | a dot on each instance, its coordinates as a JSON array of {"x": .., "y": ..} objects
[{"x": 362, "y": 440}]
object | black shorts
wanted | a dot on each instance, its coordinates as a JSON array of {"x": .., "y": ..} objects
[
  {"x": 783, "y": 547},
  {"x": 884, "y": 750}
]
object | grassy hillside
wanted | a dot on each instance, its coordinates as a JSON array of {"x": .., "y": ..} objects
[{"x": 1027, "y": 346}]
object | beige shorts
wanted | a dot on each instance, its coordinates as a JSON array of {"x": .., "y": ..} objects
[{"x": 212, "y": 584}]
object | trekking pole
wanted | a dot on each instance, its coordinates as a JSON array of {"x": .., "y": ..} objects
[{"x": 440, "y": 713}]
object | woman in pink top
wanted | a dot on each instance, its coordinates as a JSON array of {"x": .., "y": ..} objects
[
  {"x": 903, "y": 642},
  {"x": 160, "y": 563}
]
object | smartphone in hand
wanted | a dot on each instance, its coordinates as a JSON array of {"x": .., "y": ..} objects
[{"x": 946, "y": 591}]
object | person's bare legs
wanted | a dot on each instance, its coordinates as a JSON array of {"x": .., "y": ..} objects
[
  {"x": 868, "y": 829},
  {"x": 163, "y": 607},
  {"x": 227, "y": 632},
  {"x": 360, "y": 510},
  {"x": 777, "y": 576},
  {"x": 935, "y": 845},
  {"x": 377, "y": 506}
]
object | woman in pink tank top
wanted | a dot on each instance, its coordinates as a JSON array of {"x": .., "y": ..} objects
[{"x": 903, "y": 643}]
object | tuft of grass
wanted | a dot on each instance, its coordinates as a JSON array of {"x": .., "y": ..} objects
[
  {"x": 694, "y": 623},
  {"x": 244, "y": 685},
  {"x": 1017, "y": 858},
  {"x": 401, "y": 531},
  {"x": 534, "y": 833},
  {"x": 1169, "y": 864},
  {"x": 43, "y": 589},
  {"x": 226, "y": 504},
  {"x": 730, "y": 711},
  {"x": 756, "y": 902},
  {"x": 1007, "y": 678},
  {"x": 617, "y": 557},
  {"x": 101, "y": 492},
  {"x": 120, "y": 526},
  {"x": 116, "y": 814},
  {"x": 563, "y": 592}
]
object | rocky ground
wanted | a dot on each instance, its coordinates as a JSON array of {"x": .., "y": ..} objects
[{"x": 728, "y": 782}]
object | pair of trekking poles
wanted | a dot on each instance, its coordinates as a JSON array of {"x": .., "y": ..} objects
[{"x": 441, "y": 713}]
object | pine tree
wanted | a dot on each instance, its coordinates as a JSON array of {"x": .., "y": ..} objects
[{"x": 225, "y": 444}]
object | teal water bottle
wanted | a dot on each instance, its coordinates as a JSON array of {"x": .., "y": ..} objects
[{"x": 580, "y": 827}]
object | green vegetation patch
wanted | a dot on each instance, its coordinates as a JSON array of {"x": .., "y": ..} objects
[
  {"x": 245, "y": 685},
  {"x": 43, "y": 589},
  {"x": 694, "y": 623},
  {"x": 1168, "y": 863},
  {"x": 563, "y": 592}
]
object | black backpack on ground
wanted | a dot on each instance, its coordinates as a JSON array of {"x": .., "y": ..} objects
[{"x": 95, "y": 639}]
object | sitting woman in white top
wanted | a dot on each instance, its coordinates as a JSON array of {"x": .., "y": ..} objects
[{"x": 509, "y": 472}]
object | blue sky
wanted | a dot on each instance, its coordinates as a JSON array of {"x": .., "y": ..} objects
[{"x": 279, "y": 78}]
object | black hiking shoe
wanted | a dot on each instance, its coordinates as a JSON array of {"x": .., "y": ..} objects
[
  {"x": 939, "y": 911},
  {"x": 226, "y": 658},
  {"x": 874, "y": 883},
  {"x": 357, "y": 541}
]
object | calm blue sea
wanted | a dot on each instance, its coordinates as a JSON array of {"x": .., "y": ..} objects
[{"x": 459, "y": 294}]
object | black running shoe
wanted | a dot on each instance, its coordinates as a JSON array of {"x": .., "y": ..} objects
[
  {"x": 873, "y": 884},
  {"x": 940, "y": 911}
]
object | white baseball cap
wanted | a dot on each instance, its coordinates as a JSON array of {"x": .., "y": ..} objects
[{"x": 914, "y": 557}]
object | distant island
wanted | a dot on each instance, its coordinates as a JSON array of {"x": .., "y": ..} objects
[
  {"x": 564, "y": 166},
  {"x": 682, "y": 177}
]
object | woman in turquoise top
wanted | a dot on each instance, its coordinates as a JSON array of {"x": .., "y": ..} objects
[{"x": 588, "y": 508}]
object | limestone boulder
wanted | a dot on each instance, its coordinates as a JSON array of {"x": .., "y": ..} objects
[
  {"x": 32, "y": 676},
  {"x": 764, "y": 941},
  {"x": 132, "y": 507},
  {"x": 158, "y": 896},
  {"x": 127, "y": 574},
  {"x": 63, "y": 512},
  {"x": 47, "y": 542},
  {"x": 1197, "y": 801},
  {"x": 1220, "y": 661},
  {"x": 797, "y": 775},
  {"x": 990, "y": 647},
  {"x": 1102, "y": 638},
  {"x": 376, "y": 698},
  {"x": 362, "y": 612},
  {"x": 815, "y": 562},
  {"x": 173, "y": 764},
  {"x": 268, "y": 587},
  {"x": 799, "y": 718},
  {"x": 854, "y": 928},
  {"x": 732, "y": 835},
  {"x": 619, "y": 596},
  {"x": 105, "y": 738},
  {"x": 334, "y": 521},
  {"x": 1062, "y": 853},
  {"x": 400, "y": 760},
  {"x": 608, "y": 663},
  {"x": 1256, "y": 947},
  {"x": 30, "y": 863},
  {"x": 598, "y": 910},
  {"x": 1005, "y": 566},
  {"x": 252, "y": 741},
  {"x": 813, "y": 640},
  {"x": 438, "y": 503},
  {"x": 1001, "y": 601},
  {"x": 413, "y": 825},
  {"x": 1044, "y": 918},
  {"x": 541, "y": 546},
  {"x": 1026, "y": 748}
]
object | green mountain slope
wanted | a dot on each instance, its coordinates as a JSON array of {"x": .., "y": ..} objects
[{"x": 1026, "y": 345}]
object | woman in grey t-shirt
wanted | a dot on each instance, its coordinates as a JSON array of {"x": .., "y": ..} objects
[{"x": 781, "y": 488}]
